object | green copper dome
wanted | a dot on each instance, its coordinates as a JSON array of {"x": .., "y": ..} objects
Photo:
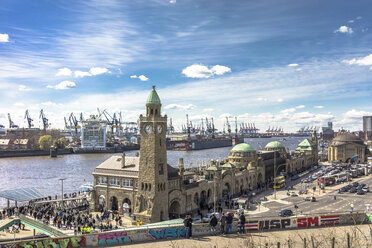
[
  {"x": 243, "y": 147},
  {"x": 153, "y": 97},
  {"x": 274, "y": 144}
]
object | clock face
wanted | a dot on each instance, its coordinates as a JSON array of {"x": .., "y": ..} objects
[
  {"x": 160, "y": 128},
  {"x": 148, "y": 129}
]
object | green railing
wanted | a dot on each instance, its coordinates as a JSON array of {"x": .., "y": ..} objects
[
  {"x": 47, "y": 230},
  {"x": 4, "y": 224}
]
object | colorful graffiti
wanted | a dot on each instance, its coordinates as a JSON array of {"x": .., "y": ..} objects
[
  {"x": 115, "y": 238},
  {"x": 164, "y": 233},
  {"x": 308, "y": 222},
  {"x": 275, "y": 224},
  {"x": 53, "y": 242}
]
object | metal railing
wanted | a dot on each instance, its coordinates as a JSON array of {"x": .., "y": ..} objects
[{"x": 41, "y": 227}]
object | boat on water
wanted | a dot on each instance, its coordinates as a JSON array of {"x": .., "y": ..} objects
[{"x": 86, "y": 187}]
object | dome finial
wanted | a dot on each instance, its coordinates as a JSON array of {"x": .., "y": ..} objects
[{"x": 153, "y": 87}]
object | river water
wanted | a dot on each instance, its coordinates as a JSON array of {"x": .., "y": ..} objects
[{"x": 44, "y": 172}]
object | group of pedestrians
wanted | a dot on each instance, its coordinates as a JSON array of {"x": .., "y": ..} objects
[{"x": 225, "y": 220}]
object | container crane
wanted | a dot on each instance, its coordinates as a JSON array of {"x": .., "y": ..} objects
[
  {"x": 11, "y": 123},
  {"x": 29, "y": 120},
  {"x": 44, "y": 120},
  {"x": 110, "y": 121}
]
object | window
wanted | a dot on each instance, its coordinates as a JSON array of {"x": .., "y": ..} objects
[
  {"x": 136, "y": 184},
  {"x": 161, "y": 169},
  {"x": 102, "y": 180},
  {"x": 115, "y": 181},
  {"x": 127, "y": 183}
]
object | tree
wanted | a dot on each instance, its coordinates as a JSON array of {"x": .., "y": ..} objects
[
  {"x": 45, "y": 142},
  {"x": 60, "y": 143}
]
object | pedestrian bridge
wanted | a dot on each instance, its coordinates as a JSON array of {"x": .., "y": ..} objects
[{"x": 34, "y": 224}]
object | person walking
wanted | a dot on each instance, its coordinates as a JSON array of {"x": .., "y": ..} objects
[
  {"x": 213, "y": 224},
  {"x": 222, "y": 223},
  {"x": 229, "y": 220},
  {"x": 188, "y": 225},
  {"x": 242, "y": 223}
]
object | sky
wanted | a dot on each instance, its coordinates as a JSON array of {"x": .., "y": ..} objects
[{"x": 277, "y": 63}]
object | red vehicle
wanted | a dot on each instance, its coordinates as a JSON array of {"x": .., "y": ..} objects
[{"x": 327, "y": 180}]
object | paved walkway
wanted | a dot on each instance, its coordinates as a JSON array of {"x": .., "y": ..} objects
[{"x": 321, "y": 237}]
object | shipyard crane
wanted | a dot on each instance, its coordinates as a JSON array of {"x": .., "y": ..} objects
[
  {"x": 11, "y": 123},
  {"x": 110, "y": 121},
  {"x": 236, "y": 126},
  {"x": 188, "y": 126},
  {"x": 81, "y": 117},
  {"x": 228, "y": 125},
  {"x": 44, "y": 120},
  {"x": 213, "y": 130},
  {"x": 170, "y": 127},
  {"x": 74, "y": 122},
  {"x": 66, "y": 125},
  {"x": 29, "y": 120}
]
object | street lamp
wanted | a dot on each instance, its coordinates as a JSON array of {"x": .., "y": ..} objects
[
  {"x": 274, "y": 174},
  {"x": 62, "y": 179}
]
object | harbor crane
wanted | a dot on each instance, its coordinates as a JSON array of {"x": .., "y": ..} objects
[
  {"x": 11, "y": 123},
  {"x": 29, "y": 120},
  {"x": 228, "y": 125},
  {"x": 44, "y": 120},
  {"x": 74, "y": 122}
]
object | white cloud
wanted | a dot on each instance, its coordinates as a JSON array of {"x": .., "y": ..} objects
[
  {"x": 220, "y": 69},
  {"x": 359, "y": 17},
  {"x": 202, "y": 71},
  {"x": 280, "y": 100},
  {"x": 4, "y": 38},
  {"x": 64, "y": 72},
  {"x": 208, "y": 109},
  {"x": 300, "y": 106},
  {"x": 224, "y": 115},
  {"x": 180, "y": 107},
  {"x": 262, "y": 99},
  {"x": 48, "y": 103},
  {"x": 351, "y": 21},
  {"x": 367, "y": 60},
  {"x": 133, "y": 76},
  {"x": 293, "y": 65},
  {"x": 19, "y": 104},
  {"x": 82, "y": 74},
  {"x": 64, "y": 85},
  {"x": 22, "y": 87},
  {"x": 143, "y": 78},
  {"x": 289, "y": 110},
  {"x": 318, "y": 107},
  {"x": 344, "y": 29},
  {"x": 172, "y": 1},
  {"x": 97, "y": 70}
]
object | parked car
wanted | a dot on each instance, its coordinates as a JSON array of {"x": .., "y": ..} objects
[
  {"x": 355, "y": 184},
  {"x": 295, "y": 177},
  {"x": 342, "y": 190},
  {"x": 365, "y": 189},
  {"x": 353, "y": 190},
  {"x": 360, "y": 192},
  {"x": 293, "y": 194},
  {"x": 310, "y": 198},
  {"x": 285, "y": 212}
]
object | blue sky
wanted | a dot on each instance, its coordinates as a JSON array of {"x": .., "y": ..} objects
[{"x": 271, "y": 62}]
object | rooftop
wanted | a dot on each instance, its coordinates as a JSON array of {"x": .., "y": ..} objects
[
  {"x": 153, "y": 97},
  {"x": 274, "y": 144},
  {"x": 243, "y": 147}
]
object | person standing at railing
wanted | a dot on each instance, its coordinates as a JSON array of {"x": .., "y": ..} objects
[
  {"x": 229, "y": 220},
  {"x": 223, "y": 223},
  {"x": 213, "y": 224}
]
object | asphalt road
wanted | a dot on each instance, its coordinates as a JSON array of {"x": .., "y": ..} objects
[{"x": 324, "y": 204}]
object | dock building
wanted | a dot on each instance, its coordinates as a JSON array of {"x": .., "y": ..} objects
[
  {"x": 152, "y": 190},
  {"x": 93, "y": 133}
]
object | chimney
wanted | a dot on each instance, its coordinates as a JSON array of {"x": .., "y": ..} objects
[{"x": 123, "y": 160}]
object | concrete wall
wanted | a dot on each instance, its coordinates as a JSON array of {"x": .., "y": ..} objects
[{"x": 144, "y": 234}]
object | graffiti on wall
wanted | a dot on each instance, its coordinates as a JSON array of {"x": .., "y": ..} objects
[
  {"x": 250, "y": 225},
  {"x": 308, "y": 222},
  {"x": 275, "y": 224},
  {"x": 115, "y": 238},
  {"x": 330, "y": 220},
  {"x": 164, "y": 233},
  {"x": 52, "y": 242}
]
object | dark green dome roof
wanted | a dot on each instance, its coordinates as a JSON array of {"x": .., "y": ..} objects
[
  {"x": 153, "y": 97},
  {"x": 274, "y": 144},
  {"x": 243, "y": 147}
]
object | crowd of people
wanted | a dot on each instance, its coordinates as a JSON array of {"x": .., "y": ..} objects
[{"x": 76, "y": 217}]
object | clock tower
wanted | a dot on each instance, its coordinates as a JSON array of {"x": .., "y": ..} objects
[{"x": 152, "y": 196}]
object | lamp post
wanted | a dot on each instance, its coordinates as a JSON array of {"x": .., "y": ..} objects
[
  {"x": 62, "y": 179},
  {"x": 274, "y": 174}
]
